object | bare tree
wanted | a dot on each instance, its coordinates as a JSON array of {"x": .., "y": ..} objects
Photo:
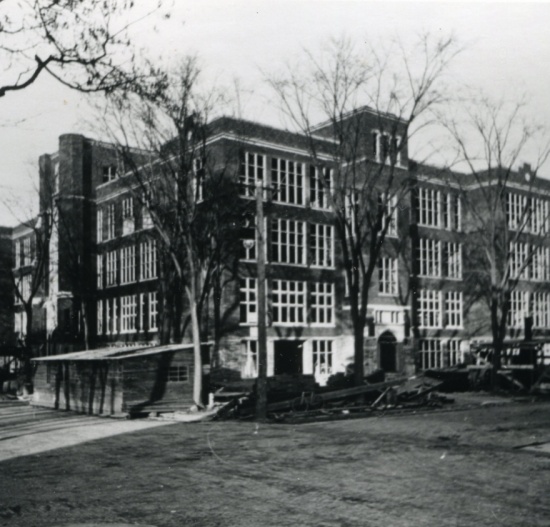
[
  {"x": 361, "y": 153},
  {"x": 85, "y": 45},
  {"x": 185, "y": 188},
  {"x": 507, "y": 229}
]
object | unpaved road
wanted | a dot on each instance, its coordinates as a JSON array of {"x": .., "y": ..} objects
[{"x": 458, "y": 468}]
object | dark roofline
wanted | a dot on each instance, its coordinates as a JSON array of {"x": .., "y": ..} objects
[{"x": 361, "y": 109}]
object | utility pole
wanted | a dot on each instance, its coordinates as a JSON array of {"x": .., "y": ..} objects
[{"x": 261, "y": 382}]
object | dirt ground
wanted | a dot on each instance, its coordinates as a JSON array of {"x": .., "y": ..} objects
[{"x": 440, "y": 468}]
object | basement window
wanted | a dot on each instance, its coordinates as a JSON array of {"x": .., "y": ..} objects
[{"x": 178, "y": 373}]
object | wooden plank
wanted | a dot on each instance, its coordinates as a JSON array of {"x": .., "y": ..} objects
[{"x": 341, "y": 394}]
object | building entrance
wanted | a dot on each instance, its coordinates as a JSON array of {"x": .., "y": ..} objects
[
  {"x": 288, "y": 357},
  {"x": 387, "y": 345}
]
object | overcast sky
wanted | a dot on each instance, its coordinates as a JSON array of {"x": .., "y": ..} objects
[{"x": 507, "y": 50}]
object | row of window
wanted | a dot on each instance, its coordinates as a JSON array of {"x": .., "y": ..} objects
[
  {"x": 436, "y": 309},
  {"x": 438, "y": 209},
  {"x": 529, "y": 262},
  {"x": 292, "y": 302},
  {"x": 127, "y": 314},
  {"x": 107, "y": 227},
  {"x": 438, "y": 353},
  {"x": 527, "y": 214},
  {"x": 524, "y": 303},
  {"x": 436, "y": 259},
  {"x": 120, "y": 266}
]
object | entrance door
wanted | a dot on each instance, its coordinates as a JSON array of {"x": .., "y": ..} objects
[
  {"x": 288, "y": 357},
  {"x": 388, "y": 352}
]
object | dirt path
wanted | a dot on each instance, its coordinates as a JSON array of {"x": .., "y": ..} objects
[{"x": 450, "y": 469}]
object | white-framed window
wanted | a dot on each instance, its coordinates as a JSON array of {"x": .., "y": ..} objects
[
  {"x": 100, "y": 271},
  {"x": 540, "y": 264},
  {"x": 386, "y": 147},
  {"x": 198, "y": 179},
  {"x": 519, "y": 253},
  {"x": 455, "y": 353},
  {"x": 320, "y": 187},
  {"x": 322, "y": 356},
  {"x": 112, "y": 264},
  {"x": 128, "y": 264},
  {"x": 20, "y": 323},
  {"x": 148, "y": 260},
  {"x": 178, "y": 373},
  {"x": 451, "y": 211},
  {"x": 540, "y": 309},
  {"x": 519, "y": 308},
  {"x": 289, "y": 302},
  {"x": 287, "y": 242},
  {"x": 17, "y": 253},
  {"x": 252, "y": 171},
  {"x": 453, "y": 309},
  {"x": 111, "y": 316},
  {"x": 540, "y": 210},
  {"x": 431, "y": 355},
  {"x": 322, "y": 304},
  {"x": 321, "y": 245},
  {"x": 109, "y": 173},
  {"x": 248, "y": 238},
  {"x": 128, "y": 314},
  {"x": 429, "y": 207},
  {"x": 152, "y": 310},
  {"x": 27, "y": 252},
  {"x": 387, "y": 276},
  {"x": 352, "y": 211},
  {"x": 516, "y": 213},
  {"x": 452, "y": 257},
  {"x": 251, "y": 359},
  {"x": 110, "y": 234},
  {"x": 128, "y": 220},
  {"x": 287, "y": 178},
  {"x": 100, "y": 317},
  {"x": 248, "y": 301},
  {"x": 429, "y": 308},
  {"x": 429, "y": 258},
  {"x": 99, "y": 225},
  {"x": 389, "y": 206}
]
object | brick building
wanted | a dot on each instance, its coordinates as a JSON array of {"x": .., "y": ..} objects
[{"x": 103, "y": 272}]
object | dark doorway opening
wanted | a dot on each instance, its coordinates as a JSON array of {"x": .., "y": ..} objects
[
  {"x": 288, "y": 357},
  {"x": 388, "y": 352}
]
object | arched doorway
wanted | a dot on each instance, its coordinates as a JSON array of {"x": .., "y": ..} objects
[{"x": 388, "y": 352}]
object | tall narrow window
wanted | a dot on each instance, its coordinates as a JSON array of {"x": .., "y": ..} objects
[
  {"x": 288, "y": 181},
  {"x": 387, "y": 276},
  {"x": 248, "y": 238},
  {"x": 111, "y": 275},
  {"x": 198, "y": 179},
  {"x": 429, "y": 257},
  {"x": 128, "y": 265},
  {"x": 429, "y": 309},
  {"x": 153, "y": 311},
  {"x": 289, "y": 302},
  {"x": 321, "y": 245},
  {"x": 431, "y": 354},
  {"x": 99, "y": 226},
  {"x": 100, "y": 271},
  {"x": 322, "y": 304},
  {"x": 251, "y": 359},
  {"x": 110, "y": 221},
  {"x": 429, "y": 207},
  {"x": 128, "y": 220},
  {"x": 519, "y": 304},
  {"x": 128, "y": 314},
  {"x": 322, "y": 356},
  {"x": 452, "y": 258},
  {"x": 148, "y": 260},
  {"x": 320, "y": 187},
  {"x": 248, "y": 301},
  {"x": 100, "y": 317},
  {"x": 287, "y": 242},
  {"x": 453, "y": 309}
]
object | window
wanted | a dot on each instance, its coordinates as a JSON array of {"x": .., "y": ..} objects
[
  {"x": 178, "y": 373},
  {"x": 389, "y": 206},
  {"x": 452, "y": 257},
  {"x": 429, "y": 309},
  {"x": 539, "y": 265},
  {"x": 24, "y": 288},
  {"x": 128, "y": 265},
  {"x": 27, "y": 255},
  {"x": 146, "y": 218},
  {"x": 516, "y": 205},
  {"x": 198, "y": 179},
  {"x": 321, "y": 244},
  {"x": 429, "y": 257},
  {"x": 100, "y": 317},
  {"x": 322, "y": 304},
  {"x": 153, "y": 311},
  {"x": 17, "y": 253},
  {"x": 248, "y": 301},
  {"x": 541, "y": 309},
  {"x": 148, "y": 260},
  {"x": 429, "y": 206},
  {"x": 288, "y": 181},
  {"x": 289, "y": 302},
  {"x": 519, "y": 253},
  {"x": 111, "y": 316},
  {"x": 430, "y": 354},
  {"x": 252, "y": 171},
  {"x": 128, "y": 314},
  {"x": 352, "y": 211},
  {"x": 99, "y": 225},
  {"x": 111, "y": 275},
  {"x": 387, "y": 276},
  {"x": 287, "y": 242},
  {"x": 248, "y": 238},
  {"x": 518, "y": 309},
  {"x": 128, "y": 221},
  {"x": 322, "y": 356},
  {"x": 455, "y": 353},
  {"x": 109, "y": 173},
  {"x": 539, "y": 215},
  {"x": 110, "y": 222},
  {"x": 251, "y": 359},
  {"x": 100, "y": 271},
  {"x": 451, "y": 211},
  {"x": 386, "y": 147},
  {"x": 320, "y": 186},
  {"x": 453, "y": 310}
]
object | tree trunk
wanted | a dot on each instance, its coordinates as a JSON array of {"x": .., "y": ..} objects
[
  {"x": 85, "y": 324},
  {"x": 27, "y": 370},
  {"x": 195, "y": 330},
  {"x": 359, "y": 353}
]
